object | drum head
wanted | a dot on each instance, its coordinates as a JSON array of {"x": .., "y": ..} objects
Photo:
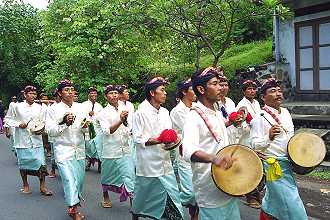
[
  {"x": 173, "y": 145},
  {"x": 245, "y": 174},
  {"x": 36, "y": 126},
  {"x": 306, "y": 149}
]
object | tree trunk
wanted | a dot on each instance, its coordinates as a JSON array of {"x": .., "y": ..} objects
[
  {"x": 216, "y": 61},
  {"x": 198, "y": 56}
]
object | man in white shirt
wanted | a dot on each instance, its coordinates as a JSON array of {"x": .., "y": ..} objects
[
  {"x": 155, "y": 179},
  {"x": 117, "y": 173},
  {"x": 178, "y": 115},
  {"x": 204, "y": 134},
  {"x": 270, "y": 133},
  {"x": 124, "y": 100},
  {"x": 10, "y": 131},
  {"x": 57, "y": 99},
  {"x": 65, "y": 123},
  {"x": 225, "y": 105},
  {"x": 28, "y": 143},
  {"x": 92, "y": 107}
]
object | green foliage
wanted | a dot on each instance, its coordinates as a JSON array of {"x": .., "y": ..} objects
[
  {"x": 19, "y": 47},
  {"x": 321, "y": 174},
  {"x": 95, "y": 42}
]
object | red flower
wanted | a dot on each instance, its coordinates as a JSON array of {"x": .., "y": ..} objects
[
  {"x": 248, "y": 118},
  {"x": 168, "y": 136},
  {"x": 234, "y": 115}
]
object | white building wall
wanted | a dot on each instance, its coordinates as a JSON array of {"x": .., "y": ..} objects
[{"x": 287, "y": 41}]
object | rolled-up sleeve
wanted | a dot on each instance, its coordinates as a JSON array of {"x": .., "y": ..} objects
[{"x": 190, "y": 143}]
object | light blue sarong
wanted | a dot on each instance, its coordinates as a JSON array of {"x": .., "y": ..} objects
[
  {"x": 30, "y": 158},
  {"x": 91, "y": 148},
  {"x": 151, "y": 194},
  {"x": 187, "y": 195},
  {"x": 118, "y": 172},
  {"x": 282, "y": 199},
  {"x": 72, "y": 173},
  {"x": 227, "y": 212}
]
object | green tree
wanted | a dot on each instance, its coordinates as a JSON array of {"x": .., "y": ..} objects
[
  {"x": 211, "y": 25},
  {"x": 20, "y": 50}
]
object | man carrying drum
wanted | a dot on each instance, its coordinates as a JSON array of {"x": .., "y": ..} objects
[
  {"x": 28, "y": 143},
  {"x": 156, "y": 191},
  {"x": 204, "y": 134},
  {"x": 270, "y": 134},
  {"x": 65, "y": 123}
]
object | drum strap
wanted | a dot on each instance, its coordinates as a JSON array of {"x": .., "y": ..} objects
[
  {"x": 207, "y": 123},
  {"x": 274, "y": 116}
]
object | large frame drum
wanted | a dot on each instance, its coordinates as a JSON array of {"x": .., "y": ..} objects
[
  {"x": 306, "y": 151},
  {"x": 244, "y": 176}
]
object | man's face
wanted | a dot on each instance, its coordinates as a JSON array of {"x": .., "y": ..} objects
[
  {"x": 112, "y": 97},
  {"x": 14, "y": 99},
  {"x": 67, "y": 94},
  {"x": 30, "y": 96},
  {"x": 125, "y": 95},
  {"x": 92, "y": 96},
  {"x": 213, "y": 89},
  {"x": 190, "y": 94},
  {"x": 224, "y": 88},
  {"x": 159, "y": 94},
  {"x": 273, "y": 97},
  {"x": 250, "y": 92}
]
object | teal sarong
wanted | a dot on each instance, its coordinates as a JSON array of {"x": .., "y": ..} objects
[
  {"x": 30, "y": 158},
  {"x": 117, "y": 175},
  {"x": 187, "y": 194},
  {"x": 91, "y": 148},
  {"x": 151, "y": 195},
  {"x": 282, "y": 199},
  {"x": 72, "y": 173},
  {"x": 227, "y": 212}
]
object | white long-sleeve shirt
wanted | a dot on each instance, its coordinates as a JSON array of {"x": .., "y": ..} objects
[
  {"x": 229, "y": 105},
  {"x": 130, "y": 108},
  {"x": 115, "y": 145},
  {"x": 152, "y": 160},
  {"x": 197, "y": 137},
  {"x": 254, "y": 109},
  {"x": 88, "y": 106},
  {"x": 178, "y": 117},
  {"x": 24, "y": 112},
  {"x": 260, "y": 132},
  {"x": 69, "y": 141},
  {"x": 10, "y": 114}
]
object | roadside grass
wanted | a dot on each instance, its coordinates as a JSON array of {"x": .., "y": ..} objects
[{"x": 325, "y": 174}]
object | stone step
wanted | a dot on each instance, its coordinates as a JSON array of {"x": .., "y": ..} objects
[{"x": 308, "y": 108}]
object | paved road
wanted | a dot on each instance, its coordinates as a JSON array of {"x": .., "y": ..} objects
[{"x": 16, "y": 206}]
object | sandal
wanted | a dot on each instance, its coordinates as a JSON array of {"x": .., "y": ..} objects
[
  {"x": 46, "y": 193},
  {"x": 25, "y": 192},
  {"x": 106, "y": 205},
  {"x": 253, "y": 204},
  {"x": 52, "y": 175}
]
